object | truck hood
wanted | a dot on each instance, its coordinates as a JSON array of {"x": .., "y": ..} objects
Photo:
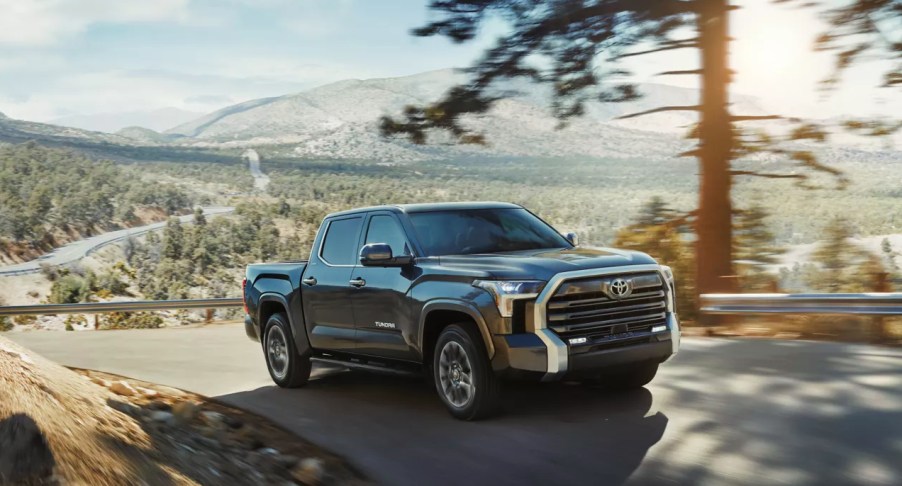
[{"x": 544, "y": 264}]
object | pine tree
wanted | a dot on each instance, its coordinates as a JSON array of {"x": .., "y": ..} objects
[
  {"x": 573, "y": 45},
  {"x": 755, "y": 249},
  {"x": 173, "y": 239}
]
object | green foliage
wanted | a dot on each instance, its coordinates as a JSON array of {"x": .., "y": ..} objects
[
  {"x": 70, "y": 289},
  {"x": 43, "y": 190},
  {"x": 5, "y": 324},
  {"x": 754, "y": 249},
  {"x": 663, "y": 234},
  {"x": 129, "y": 320},
  {"x": 73, "y": 320},
  {"x": 838, "y": 265},
  {"x": 210, "y": 255}
]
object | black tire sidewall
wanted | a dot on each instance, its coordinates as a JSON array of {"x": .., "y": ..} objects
[
  {"x": 289, "y": 378},
  {"x": 480, "y": 369}
]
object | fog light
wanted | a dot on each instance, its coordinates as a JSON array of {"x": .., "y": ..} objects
[
  {"x": 579, "y": 340},
  {"x": 659, "y": 328}
]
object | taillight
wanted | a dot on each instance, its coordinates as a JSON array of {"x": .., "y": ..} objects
[{"x": 244, "y": 295}]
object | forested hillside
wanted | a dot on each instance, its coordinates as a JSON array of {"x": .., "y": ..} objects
[{"x": 50, "y": 196}]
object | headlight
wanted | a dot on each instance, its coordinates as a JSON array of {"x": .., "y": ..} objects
[
  {"x": 671, "y": 287},
  {"x": 668, "y": 273},
  {"x": 506, "y": 292}
]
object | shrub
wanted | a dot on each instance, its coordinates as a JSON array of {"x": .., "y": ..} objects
[
  {"x": 69, "y": 289},
  {"x": 130, "y": 320},
  {"x": 5, "y": 325}
]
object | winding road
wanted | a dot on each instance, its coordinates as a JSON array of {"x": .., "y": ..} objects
[
  {"x": 723, "y": 411},
  {"x": 77, "y": 250},
  {"x": 261, "y": 180}
]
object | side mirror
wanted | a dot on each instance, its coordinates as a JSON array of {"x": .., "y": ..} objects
[
  {"x": 573, "y": 238},
  {"x": 380, "y": 255}
]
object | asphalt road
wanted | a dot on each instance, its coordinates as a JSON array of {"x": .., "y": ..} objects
[
  {"x": 721, "y": 412},
  {"x": 79, "y": 249}
]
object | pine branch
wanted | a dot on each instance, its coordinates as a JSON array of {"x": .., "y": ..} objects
[
  {"x": 767, "y": 175},
  {"x": 740, "y": 118},
  {"x": 659, "y": 110},
  {"x": 669, "y": 47},
  {"x": 677, "y": 73}
]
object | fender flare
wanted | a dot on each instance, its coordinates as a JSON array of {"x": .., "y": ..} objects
[
  {"x": 298, "y": 334},
  {"x": 458, "y": 306}
]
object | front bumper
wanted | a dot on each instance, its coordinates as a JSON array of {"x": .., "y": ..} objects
[
  {"x": 526, "y": 356},
  {"x": 250, "y": 328}
]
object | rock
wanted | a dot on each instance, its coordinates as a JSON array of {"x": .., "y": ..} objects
[
  {"x": 100, "y": 381},
  {"x": 309, "y": 471},
  {"x": 148, "y": 393},
  {"x": 287, "y": 461},
  {"x": 206, "y": 442},
  {"x": 25, "y": 456},
  {"x": 215, "y": 420},
  {"x": 123, "y": 388},
  {"x": 124, "y": 407},
  {"x": 268, "y": 451},
  {"x": 185, "y": 412},
  {"x": 159, "y": 405},
  {"x": 233, "y": 422},
  {"x": 161, "y": 416}
]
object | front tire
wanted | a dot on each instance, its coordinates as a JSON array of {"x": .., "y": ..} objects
[
  {"x": 463, "y": 374},
  {"x": 286, "y": 367}
]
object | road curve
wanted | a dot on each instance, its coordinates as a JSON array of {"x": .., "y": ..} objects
[
  {"x": 721, "y": 412},
  {"x": 77, "y": 250},
  {"x": 261, "y": 180}
]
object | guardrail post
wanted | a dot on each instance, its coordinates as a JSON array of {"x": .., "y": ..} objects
[
  {"x": 209, "y": 316},
  {"x": 878, "y": 323}
]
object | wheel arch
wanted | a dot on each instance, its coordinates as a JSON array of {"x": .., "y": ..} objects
[
  {"x": 437, "y": 314},
  {"x": 272, "y": 303}
]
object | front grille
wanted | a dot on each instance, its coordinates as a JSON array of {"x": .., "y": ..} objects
[{"x": 587, "y": 308}]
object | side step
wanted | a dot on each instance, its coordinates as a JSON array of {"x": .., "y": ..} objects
[{"x": 364, "y": 363}]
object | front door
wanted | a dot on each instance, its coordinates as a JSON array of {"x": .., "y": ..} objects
[
  {"x": 381, "y": 307},
  {"x": 325, "y": 288}
]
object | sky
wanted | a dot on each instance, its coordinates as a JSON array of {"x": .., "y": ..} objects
[{"x": 75, "y": 57}]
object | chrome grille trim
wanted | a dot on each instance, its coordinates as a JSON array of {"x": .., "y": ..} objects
[{"x": 557, "y": 348}]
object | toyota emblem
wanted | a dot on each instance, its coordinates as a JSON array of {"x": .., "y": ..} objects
[{"x": 620, "y": 288}]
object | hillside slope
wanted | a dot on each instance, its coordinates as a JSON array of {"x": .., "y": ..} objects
[{"x": 339, "y": 120}]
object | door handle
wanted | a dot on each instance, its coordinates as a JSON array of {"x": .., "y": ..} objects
[
  {"x": 309, "y": 281},
  {"x": 358, "y": 282}
]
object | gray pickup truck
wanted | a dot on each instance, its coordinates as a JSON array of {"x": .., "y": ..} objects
[{"x": 469, "y": 293}]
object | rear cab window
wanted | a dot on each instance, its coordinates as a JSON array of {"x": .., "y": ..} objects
[{"x": 340, "y": 241}]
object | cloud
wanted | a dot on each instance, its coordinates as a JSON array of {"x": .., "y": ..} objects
[{"x": 47, "y": 22}]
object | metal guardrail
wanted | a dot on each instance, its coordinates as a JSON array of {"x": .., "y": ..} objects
[
  {"x": 871, "y": 304},
  {"x": 124, "y": 306}
]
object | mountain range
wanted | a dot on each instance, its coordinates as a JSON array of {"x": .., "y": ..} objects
[{"x": 340, "y": 121}]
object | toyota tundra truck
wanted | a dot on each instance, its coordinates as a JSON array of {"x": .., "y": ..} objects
[{"x": 469, "y": 294}]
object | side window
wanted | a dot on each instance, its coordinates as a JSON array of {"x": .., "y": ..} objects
[
  {"x": 340, "y": 242},
  {"x": 386, "y": 229}
]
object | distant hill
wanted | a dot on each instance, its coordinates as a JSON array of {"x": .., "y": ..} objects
[{"x": 157, "y": 120}]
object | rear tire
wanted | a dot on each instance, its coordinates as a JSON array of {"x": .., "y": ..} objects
[
  {"x": 463, "y": 374},
  {"x": 286, "y": 367},
  {"x": 625, "y": 378}
]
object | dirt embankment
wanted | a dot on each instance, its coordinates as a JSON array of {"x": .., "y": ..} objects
[{"x": 58, "y": 426}]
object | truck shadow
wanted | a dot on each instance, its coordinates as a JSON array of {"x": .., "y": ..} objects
[{"x": 397, "y": 430}]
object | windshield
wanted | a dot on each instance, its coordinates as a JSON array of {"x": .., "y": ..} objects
[{"x": 470, "y": 231}]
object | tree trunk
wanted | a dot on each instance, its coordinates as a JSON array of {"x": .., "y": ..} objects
[{"x": 714, "y": 225}]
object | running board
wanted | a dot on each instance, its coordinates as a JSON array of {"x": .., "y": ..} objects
[{"x": 376, "y": 366}]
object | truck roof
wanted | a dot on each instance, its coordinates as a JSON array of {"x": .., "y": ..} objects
[{"x": 424, "y": 207}]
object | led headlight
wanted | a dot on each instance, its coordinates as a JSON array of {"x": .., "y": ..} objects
[
  {"x": 506, "y": 292},
  {"x": 671, "y": 287}
]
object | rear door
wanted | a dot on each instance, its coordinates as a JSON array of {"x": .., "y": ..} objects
[
  {"x": 325, "y": 288},
  {"x": 381, "y": 306}
]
